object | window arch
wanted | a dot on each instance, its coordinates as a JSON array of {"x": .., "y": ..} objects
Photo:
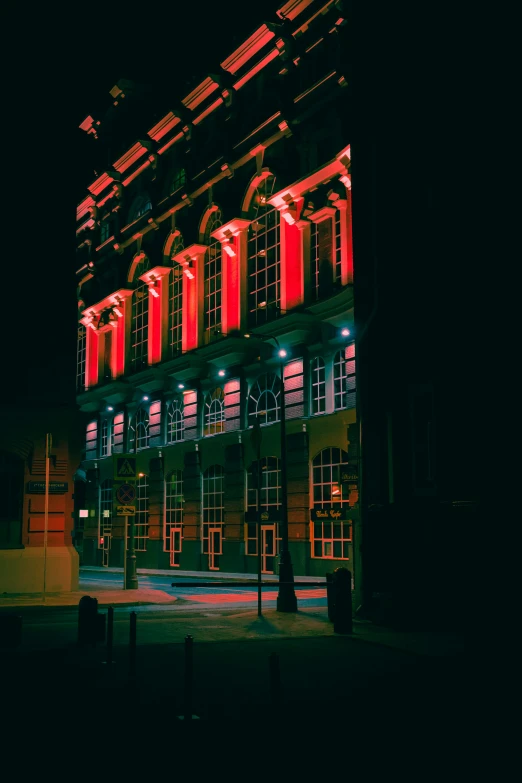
[
  {"x": 318, "y": 385},
  {"x": 264, "y": 400},
  {"x": 264, "y": 256},
  {"x": 175, "y": 420},
  {"x": 330, "y": 538},
  {"x": 105, "y": 521},
  {"x": 140, "y": 317},
  {"x": 140, "y": 206},
  {"x": 139, "y": 430},
  {"x": 211, "y": 220},
  {"x": 213, "y": 513},
  {"x": 214, "y": 412},
  {"x": 172, "y": 533},
  {"x": 270, "y": 495}
]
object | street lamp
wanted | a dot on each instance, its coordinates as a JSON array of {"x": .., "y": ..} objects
[{"x": 286, "y": 598}]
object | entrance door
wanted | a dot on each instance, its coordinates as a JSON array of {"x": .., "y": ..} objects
[
  {"x": 106, "y": 548},
  {"x": 268, "y": 548},
  {"x": 175, "y": 546},
  {"x": 214, "y": 547}
]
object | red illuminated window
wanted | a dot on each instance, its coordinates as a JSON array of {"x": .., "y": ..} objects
[
  {"x": 264, "y": 399},
  {"x": 213, "y": 280},
  {"x": 330, "y": 538},
  {"x": 140, "y": 320},
  {"x": 214, "y": 412},
  {"x": 172, "y": 533},
  {"x": 213, "y": 512},
  {"x": 264, "y": 256},
  {"x": 80, "y": 358}
]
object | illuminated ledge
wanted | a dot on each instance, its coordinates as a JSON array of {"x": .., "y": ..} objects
[{"x": 152, "y": 379}]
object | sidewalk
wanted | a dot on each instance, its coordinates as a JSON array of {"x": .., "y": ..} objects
[{"x": 223, "y": 623}]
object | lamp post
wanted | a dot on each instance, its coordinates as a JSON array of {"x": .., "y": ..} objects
[{"x": 286, "y": 598}]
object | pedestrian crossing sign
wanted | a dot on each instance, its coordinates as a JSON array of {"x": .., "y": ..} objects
[{"x": 125, "y": 467}]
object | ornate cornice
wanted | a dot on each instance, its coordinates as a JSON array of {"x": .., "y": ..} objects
[
  {"x": 248, "y": 49},
  {"x": 131, "y": 156}
]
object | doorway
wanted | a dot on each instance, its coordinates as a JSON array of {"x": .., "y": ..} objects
[
  {"x": 268, "y": 548},
  {"x": 215, "y": 537}
]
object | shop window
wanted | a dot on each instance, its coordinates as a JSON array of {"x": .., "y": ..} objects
[
  {"x": 173, "y": 532},
  {"x": 330, "y": 535}
]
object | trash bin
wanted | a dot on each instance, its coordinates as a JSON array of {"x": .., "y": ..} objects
[
  {"x": 87, "y": 620},
  {"x": 342, "y": 591},
  {"x": 10, "y": 629}
]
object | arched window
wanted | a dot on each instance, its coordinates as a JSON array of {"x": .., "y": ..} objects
[
  {"x": 81, "y": 347},
  {"x": 175, "y": 420},
  {"x": 173, "y": 246},
  {"x": 105, "y": 526},
  {"x": 139, "y": 430},
  {"x": 140, "y": 206},
  {"x": 172, "y": 534},
  {"x": 142, "y": 513},
  {"x": 318, "y": 384},
  {"x": 105, "y": 438},
  {"x": 213, "y": 280},
  {"x": 140, "y": 319},
  {"x": 212, "y": 219},
  {"x": 330, "y": 537},
  {"x": 264, "y": 399},
  {"x": 213, "y": 510},
  {"x": 12, "y": 491},
  {"x": 214, "y": 413},
  {"x": 264, "y": 257},
  {"x": 270, "y": 495}
]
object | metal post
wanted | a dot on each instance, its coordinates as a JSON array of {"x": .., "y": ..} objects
[
  {"x": 286, "y": 599},
  {"x": 132, "y": 645},
  {"x": 259, "y": 536},
  {"x": 125, "y": 534},
  {"x": 187, "y": 701},
  {"x": 48, "y": 446},
  {"x": 131, "y": 575}
]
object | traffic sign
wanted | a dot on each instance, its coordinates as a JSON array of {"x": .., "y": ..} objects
[
  {"x": 126, "y": 493},
  {"x": 125, "y": 467},
  {"x": 125, "y": 511}
]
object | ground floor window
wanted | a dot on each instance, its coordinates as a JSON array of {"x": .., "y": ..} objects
[
  {"x": 213, "y": 509},
  {"x": 331, "y": 539},
  {"x": 172, "y": 534},
  {"x": 142, "y": 514}
]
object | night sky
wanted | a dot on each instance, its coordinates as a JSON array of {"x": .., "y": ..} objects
[{"x": 65, "y": 66}]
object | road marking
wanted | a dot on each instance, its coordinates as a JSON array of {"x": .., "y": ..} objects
[{"x": 227, "y": 598}]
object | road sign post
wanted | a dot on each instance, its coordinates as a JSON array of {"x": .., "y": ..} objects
[{"x": 124, "y": 496}]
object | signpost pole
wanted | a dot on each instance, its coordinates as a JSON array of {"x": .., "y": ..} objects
[
  {"x": 125, "y": 555},
  {"x": 48, "y": 446},
  {"x": 131, "y": 575},
  {"x": 124, "y": 498}
]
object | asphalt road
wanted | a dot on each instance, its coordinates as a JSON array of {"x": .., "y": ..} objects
[{"x": 241, "y": 596}]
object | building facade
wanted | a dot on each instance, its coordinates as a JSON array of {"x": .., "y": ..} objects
[
  {"x": 36, "y": 537},
  {"x": 215, "y": 284}
]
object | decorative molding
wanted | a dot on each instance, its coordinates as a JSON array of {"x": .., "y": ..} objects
[
  {"x": 131, "y": 156},
  {"x": 248, "y": 49},
  {"x": 202, "y": 91},
  {"x": 164, "y": 126},
  {"x": 99, "y": 185}
]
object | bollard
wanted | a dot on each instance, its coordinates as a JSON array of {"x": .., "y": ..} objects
[
  {"x": 187, "y": 696},
  {"x": 275, "y": 678},
  {"x": 342, "y": 583},
  {"x": 330, "y": 597},
  {"x": 132, "y": 645},
  {"x": 110, "y": 623}
]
